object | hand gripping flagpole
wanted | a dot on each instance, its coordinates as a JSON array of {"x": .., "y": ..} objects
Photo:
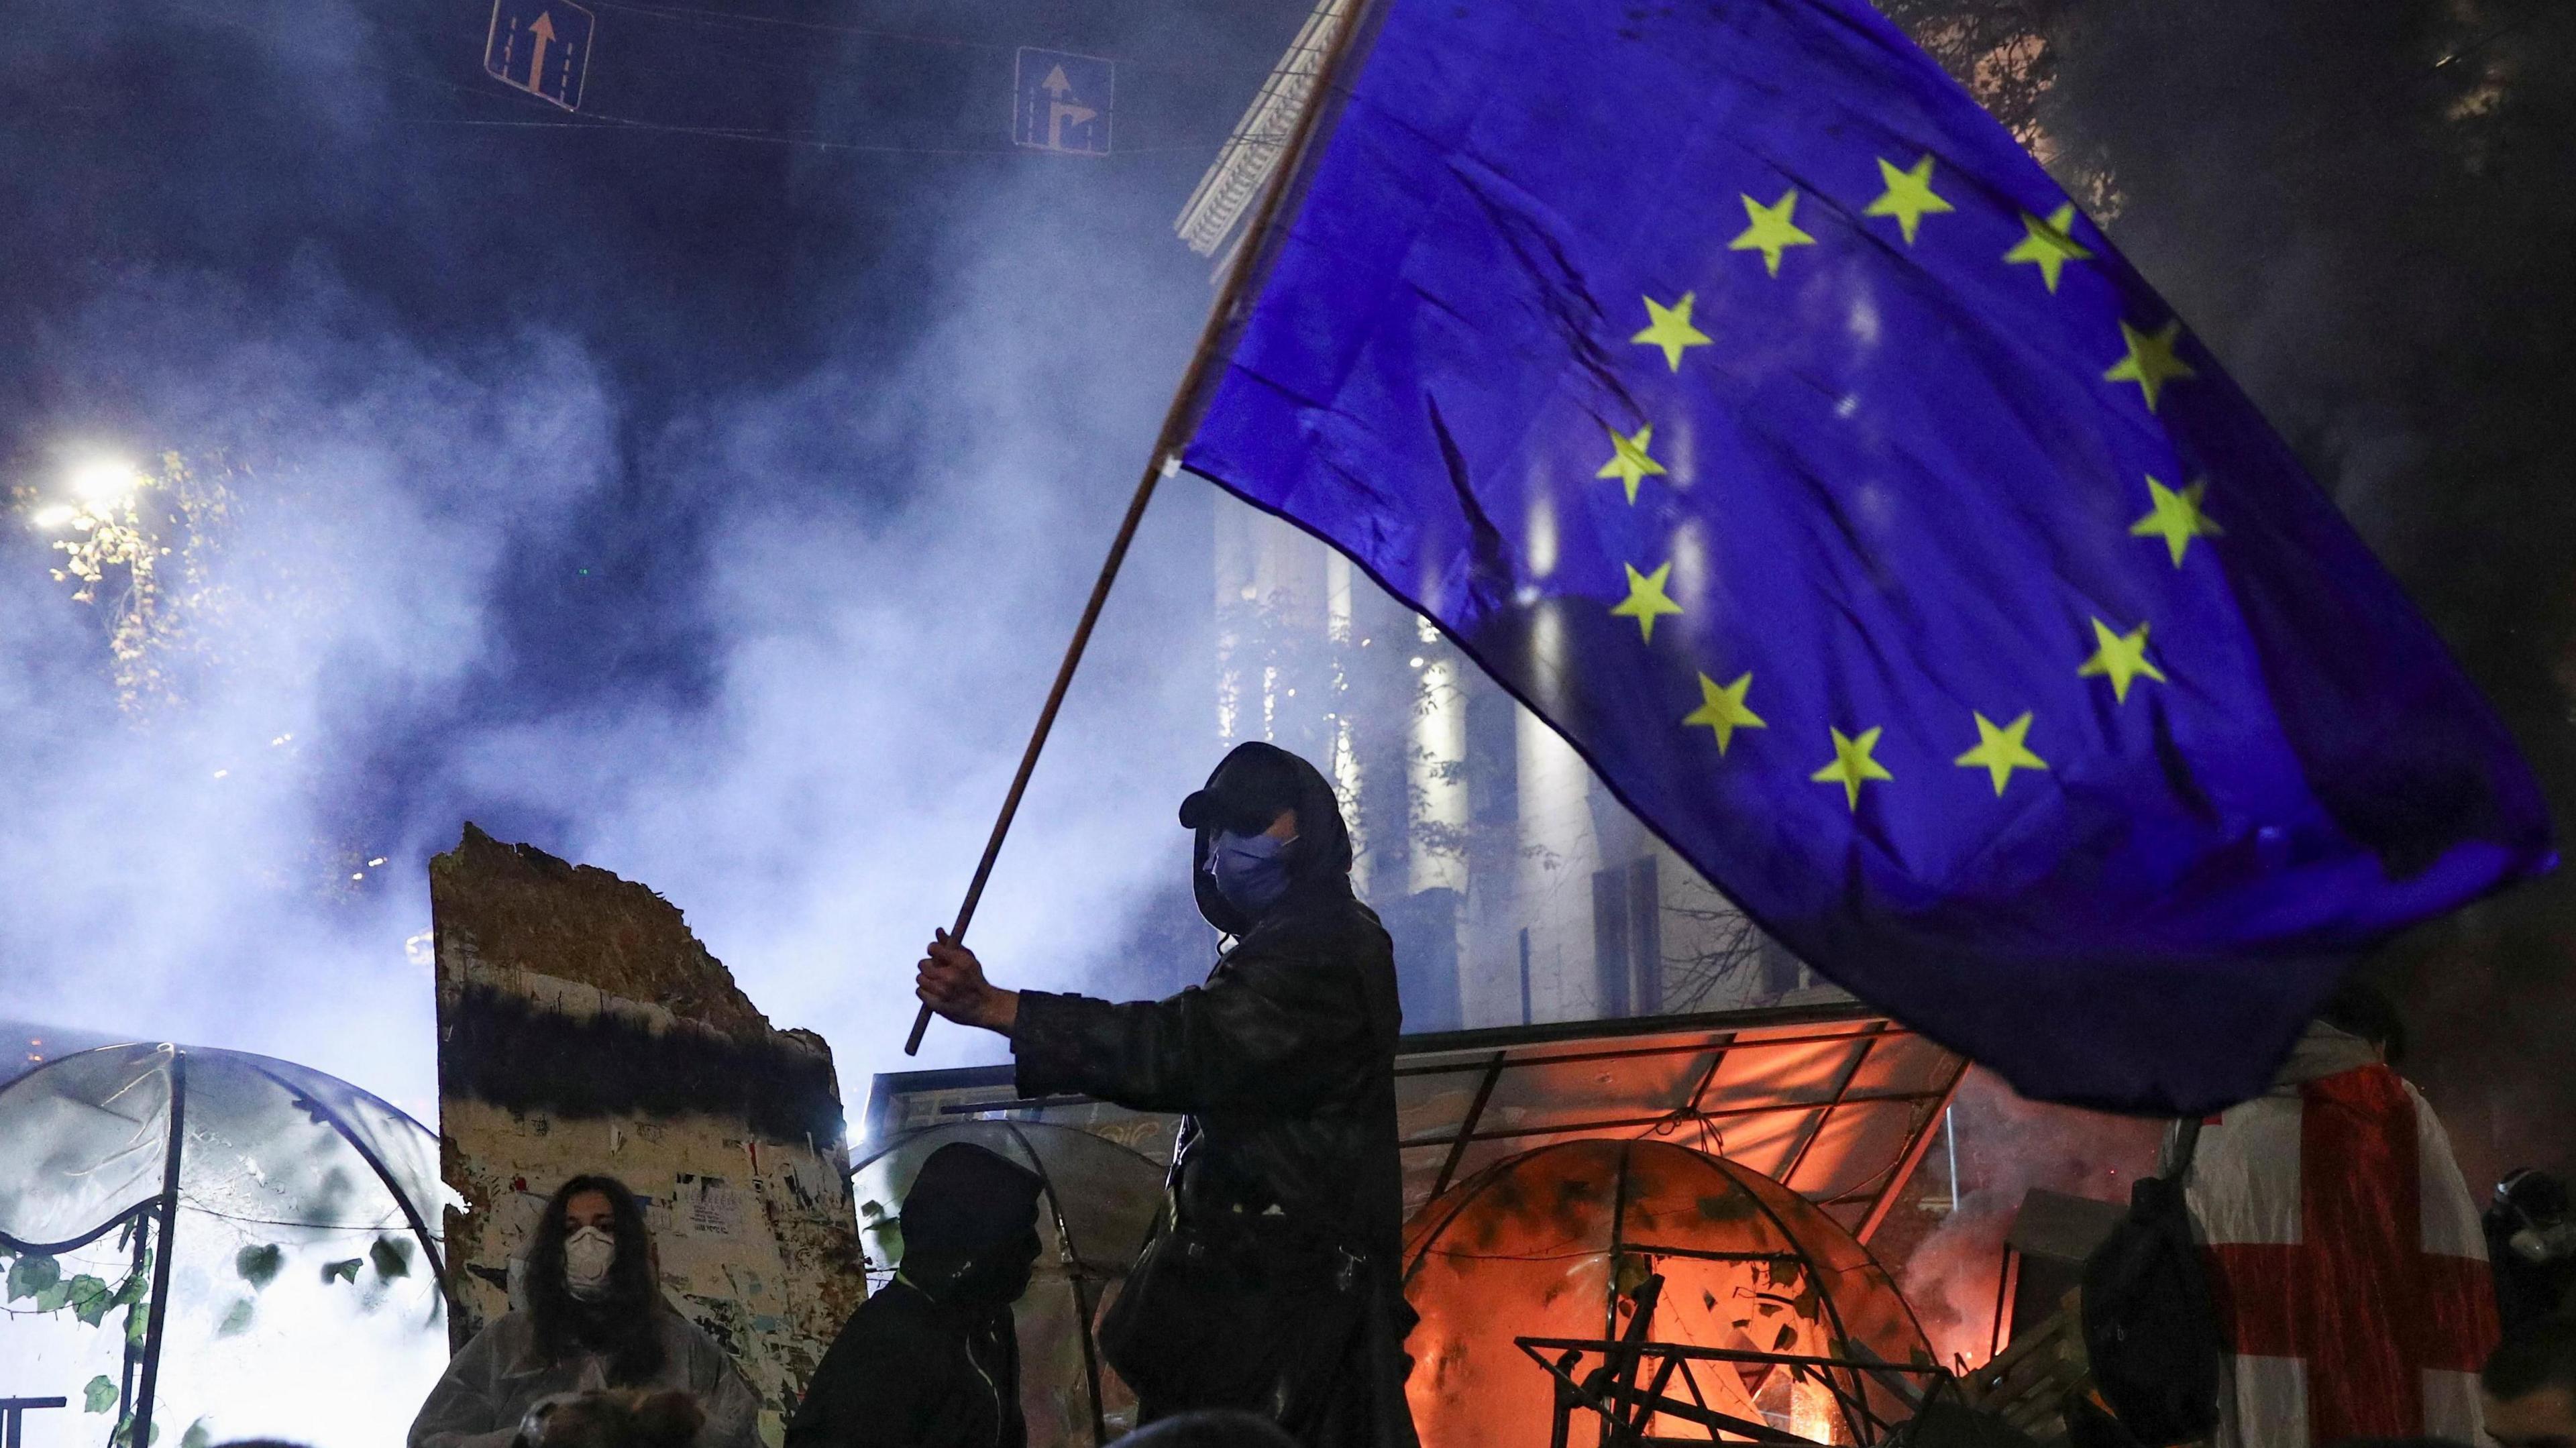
[{"x": 1165, "y": 461}]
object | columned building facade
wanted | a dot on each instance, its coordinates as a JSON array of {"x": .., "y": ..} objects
[{"x": 1518, "y": 890}]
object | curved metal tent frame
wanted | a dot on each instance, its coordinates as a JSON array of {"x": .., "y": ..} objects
[
  {"x": 305, "y": 1091},
  {"x": 1671, "y": 1207}
]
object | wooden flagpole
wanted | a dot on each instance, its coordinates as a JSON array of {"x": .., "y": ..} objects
[{"x": 1164, "y": 461}]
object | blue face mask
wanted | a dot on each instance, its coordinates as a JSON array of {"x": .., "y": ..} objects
[{"x": 1251, "y": 871}]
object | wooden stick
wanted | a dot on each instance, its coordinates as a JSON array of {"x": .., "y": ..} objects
[{"x": 1165, "y": 461}]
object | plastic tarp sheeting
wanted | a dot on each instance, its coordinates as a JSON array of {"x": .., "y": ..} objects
[
  {"x": 1098, "y": 1208},
  {"x": 87, "y": 1139},
  {"x": 1835, "y": 1102},
  {"x": 1831, "y": 1108},
  {"x": 303, "y": 1299},
  {"x": 267, "y": 1140},
  {"x": 1554, "y": 1243}
]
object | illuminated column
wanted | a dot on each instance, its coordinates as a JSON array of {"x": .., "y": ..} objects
[
  {"x": 1272, "y": 655},
  {"x": 1344, "y": 761},
  {"x": 1237, "y": 592},
  {"x": 1436, "y": 768},
  {"x": 1557, "y": 855}
]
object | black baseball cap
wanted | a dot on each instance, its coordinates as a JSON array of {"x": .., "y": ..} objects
[{"x": 1253, "y": 786}]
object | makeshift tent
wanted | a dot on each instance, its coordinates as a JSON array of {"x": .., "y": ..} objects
[
  {"x": 1694, "y": 1279},
  {"x": 222, "y": 1240},
  {"x": 1097, "y": 1209},
  {"x": 1833, "y": 1101}
]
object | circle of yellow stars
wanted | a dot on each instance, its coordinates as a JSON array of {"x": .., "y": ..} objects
[{"x": 2175, "y": 516}]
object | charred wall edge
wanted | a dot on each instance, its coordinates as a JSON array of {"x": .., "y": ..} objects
[{"x": 508, "y": 1052}]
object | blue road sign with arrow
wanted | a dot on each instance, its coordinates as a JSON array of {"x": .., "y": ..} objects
[
  {"x": 1061, "y": 102},
  {"x": 541, "y": 47}
]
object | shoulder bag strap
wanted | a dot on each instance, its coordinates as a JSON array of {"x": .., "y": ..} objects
[{"x": 2186, "y": 1138}]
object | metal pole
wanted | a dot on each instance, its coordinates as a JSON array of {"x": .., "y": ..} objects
[
  {"x": 1164, "y": 462},
  {"x": 1950, "y": 1138},
  {"x": 1525, "y": 980},
  {"x": 139, "y": 1232},
  {"x": 13, "y": 1415},
  {"x": 159, "y": 1315}
]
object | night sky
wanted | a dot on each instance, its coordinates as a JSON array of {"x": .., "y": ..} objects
[{"x": 701, "y": 486}]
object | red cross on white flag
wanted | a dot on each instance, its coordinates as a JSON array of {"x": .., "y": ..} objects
[{"x": 2348, "y": 1267}]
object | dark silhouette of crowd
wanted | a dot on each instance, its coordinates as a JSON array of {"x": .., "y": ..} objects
[
  {"x": 598, "y": 1360},
  {"x": 1267, "y": 1310}
]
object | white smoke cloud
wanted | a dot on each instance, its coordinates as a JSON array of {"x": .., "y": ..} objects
[
  {"x": 891, "y": 563},
  {"x": 171, "y": 866},
  {"x": 2007, "y": 1145},
  {"x": 878, "y": 670}
]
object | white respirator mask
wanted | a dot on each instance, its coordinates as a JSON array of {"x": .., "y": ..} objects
[{"x": 588, "y": 1254}]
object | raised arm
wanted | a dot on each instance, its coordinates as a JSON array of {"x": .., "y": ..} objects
[{"x": 1278, "y": 1029}]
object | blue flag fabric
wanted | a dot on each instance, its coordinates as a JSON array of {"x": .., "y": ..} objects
[{"x": 1743, "y": 398}]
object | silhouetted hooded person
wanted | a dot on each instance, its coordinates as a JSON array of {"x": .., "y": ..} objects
[
  {"x": 931, "y": 1359},
  {"x": 2531, "y": 1243},
  {"x": 1275, "y": 1287}
]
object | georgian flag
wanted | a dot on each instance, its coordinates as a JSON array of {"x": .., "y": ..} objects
[{"x": 2346, "y": 1259}]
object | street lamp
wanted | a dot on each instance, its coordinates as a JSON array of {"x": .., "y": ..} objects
[{"x": 103, "y": 482}]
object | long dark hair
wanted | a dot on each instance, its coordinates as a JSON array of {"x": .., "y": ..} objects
[{"x": 624, "y": 1326}]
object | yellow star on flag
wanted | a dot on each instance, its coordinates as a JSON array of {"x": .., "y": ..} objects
[
  {"x": 1647, "y": 600},
  {"x": 1670, "y": 328},
  {"x": 1852, "y": 765},
  {"x": 2122, "y": 658},
  {"x": 2050, "y": 244},
  {"x": 1629, "y": 462},
  {"x": 1773, "y": 231},
  {"x": 1721, "y": 708},
  {"x": 2000, "y": 750},
  {"x": 2177, "y": 519},
  {"x": 1909, "y": 196},
  {"x": 2151, "y": 362}
]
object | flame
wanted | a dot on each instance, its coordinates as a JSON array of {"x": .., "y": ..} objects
[{"x": 1813, "y": 1414}]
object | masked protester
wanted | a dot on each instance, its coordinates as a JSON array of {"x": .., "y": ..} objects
[
  {"x": 595, "y": 1320},
  {"x": 1274, "y": 1286},
  {"x": 932, "y": 1360},
  {"x": 2531, "y": 1243}
]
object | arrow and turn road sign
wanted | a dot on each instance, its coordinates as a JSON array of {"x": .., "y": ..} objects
[
  {"x": 541, "y": 47},
  {"x": 1062, "y": 102}
]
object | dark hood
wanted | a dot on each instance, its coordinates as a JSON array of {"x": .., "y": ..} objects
[
  {"x": 966, "y": 1206},
  {"x": 1248, "y": 789}
]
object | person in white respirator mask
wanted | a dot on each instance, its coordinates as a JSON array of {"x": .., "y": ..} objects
[{"x": 594, "y": 1319}]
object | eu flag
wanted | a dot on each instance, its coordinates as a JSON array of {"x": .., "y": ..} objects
[{"x": 1745, "y": 400}]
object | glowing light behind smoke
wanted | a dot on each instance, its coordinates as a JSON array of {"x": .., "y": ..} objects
[{"x": 103, "y": 482}]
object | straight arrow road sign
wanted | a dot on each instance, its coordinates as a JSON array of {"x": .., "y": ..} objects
[{"x": 541, "y": 47}]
